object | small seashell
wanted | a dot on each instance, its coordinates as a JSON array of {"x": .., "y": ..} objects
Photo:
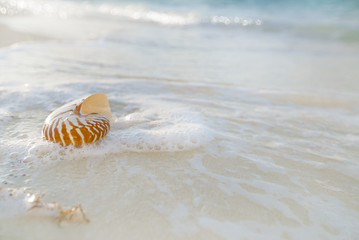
[
  {"x": 85, "y": 120},
  {"x": 17, "y": 202}
]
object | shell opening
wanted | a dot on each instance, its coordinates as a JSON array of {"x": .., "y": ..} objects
[{"x": 96, "y": 103}]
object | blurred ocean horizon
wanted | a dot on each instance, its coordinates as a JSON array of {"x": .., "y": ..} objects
[{"x": 316, "y": 18}]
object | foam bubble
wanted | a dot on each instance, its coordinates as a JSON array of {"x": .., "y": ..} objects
[
  {"x": 158, "y": 130},
  {"x": 140, "y": 124},
  {"x": 149, "y": 129}
]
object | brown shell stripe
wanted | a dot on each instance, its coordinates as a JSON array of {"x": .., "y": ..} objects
[
  {"x": 70, "y": 127},
  {"x": 87, "y": 134},
  {"x": 56, "y": 135}
]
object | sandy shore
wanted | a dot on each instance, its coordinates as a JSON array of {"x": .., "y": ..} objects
[{"x": 9, "y": 36}]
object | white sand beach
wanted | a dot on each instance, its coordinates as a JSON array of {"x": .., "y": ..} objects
[{"x": 230, "y": 119}]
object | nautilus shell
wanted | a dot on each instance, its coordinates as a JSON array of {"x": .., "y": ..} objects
[{"x": 82, "y": 121}]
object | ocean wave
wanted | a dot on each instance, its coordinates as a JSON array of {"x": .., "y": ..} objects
[{"x": 132, "y": 12}]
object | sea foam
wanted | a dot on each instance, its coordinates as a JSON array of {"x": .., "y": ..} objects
[
  {"x": 150, "y": 130},
  {"x": 139, "y": 124}
]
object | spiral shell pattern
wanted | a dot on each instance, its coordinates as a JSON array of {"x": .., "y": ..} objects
[{"x": 67, "y": 125}]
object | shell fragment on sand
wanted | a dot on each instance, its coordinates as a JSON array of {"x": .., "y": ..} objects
[
  {"x": 18, "y": 202},
  {"x": 79, "y": 122}
]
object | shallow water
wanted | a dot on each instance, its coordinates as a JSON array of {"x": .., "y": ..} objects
[{"x": 220, "y": 129}]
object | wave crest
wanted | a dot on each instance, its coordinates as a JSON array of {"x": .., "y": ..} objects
[{"x": 132, "y": 12}]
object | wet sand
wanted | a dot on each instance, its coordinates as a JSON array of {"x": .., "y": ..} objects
[{"x": 9, "y": 36}]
